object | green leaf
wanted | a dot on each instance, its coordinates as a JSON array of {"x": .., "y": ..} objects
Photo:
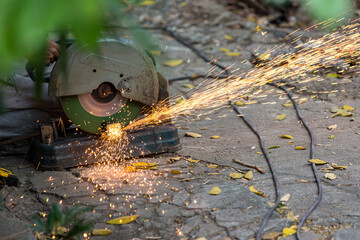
[{"x": 323, "y": 10}]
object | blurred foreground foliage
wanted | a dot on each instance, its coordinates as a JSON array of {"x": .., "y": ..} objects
[
  {"x": 321, "y": 10},
  {"x": 25, "y": 26},
  {"x": 59, "y": 225}
]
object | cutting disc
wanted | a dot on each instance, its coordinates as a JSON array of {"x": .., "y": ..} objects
[{"x": 89, "y": 111}]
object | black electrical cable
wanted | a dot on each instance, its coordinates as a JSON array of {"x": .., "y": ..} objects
[
  {"x": 193, "y": 49},
  {"x": 312, "y": 150},
  {"x": 200, "y": 54},
  {"x": 269, "y": 162},
  {"x": 273, "y": 173}
]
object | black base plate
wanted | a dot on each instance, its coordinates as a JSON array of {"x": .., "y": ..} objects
[{"x": 73, "y": 150}]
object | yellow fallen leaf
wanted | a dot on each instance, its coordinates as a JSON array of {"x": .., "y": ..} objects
[
  {"x": 212, "y": 166},
  {"x": 289, "y": 231},
  {"x": 236, "y": 175},
  {"x": 155, "y": 52},
  {"x": 239, "y": 103},
  {"x": 228, "y": 37},
  {"x": 280, "y": 117},
  {"x": 215, "y": 191},
  {"x": 288, "y": 104},
  {"x": 233, "y": 54},
  {"x": 290, "y": 216},
  {"x": 201, "y": 238},
  {"x": 191, "y": 134},
  {"x": 275, "y": 146},
  {"x": 332, "y": 75},
  {"x": 100, "y": 232},
  {"x": 348, "y": 108},
  {"x": 192, "y": 160},
  {"x": 332, "y": 136},
  {"x": 130, "y": 168},
  {"x": 144, "y": 165},
  {"x": 214, "y": 137},
  {"x": 147, "y": 3},
  {"x": 302, "y": 100},
  {"x": 173, "y": 159},
  {"x": 189, "y": 86},
  {"x": 264, "y": 56},
  {"x": 123, "y": 220},
  {"x": 271, "y": 236},
  {"x": 182, "y": 4},
  {"x": 258, "y": 28},
  {"x": 204, "y": 128},
  {"x": 331, "y": 127},
  {"x": 224, "y": 49},
  {"x": 285, "y": 198},
  {"x": 318, "y": 161},
  {"x": 335, "y": 166},
  {"x": 287, "y": 136},
  {"x": 252, "y": 189},
  {"x": 249, "y": 175},
  {"x": 180, "y": 100},
  {"x": 173, "y": 63},
  {"x": 259, "y": 153},
  {"x": 342, "y": 113},
  {"x": 300, "y": 148},
  {"x": 175, "y": 172},
  {"x": 330, "y": 176}
]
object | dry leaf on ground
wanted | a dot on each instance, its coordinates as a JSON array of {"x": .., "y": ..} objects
[
  {"x": 280, "y": 117},
  {"x": 331, "y": 127},
  {"x": 233, "y": 54},
  {"x": 332, "y": 136},
  {"x": 348, "y": 108},
  {"x": 335, "y": 166},
  {"x": 100, "y": 232},
  {"x": 156, "y": 52},
  {"x": 285, "y": 198},
  {"x": 249, "y": 175},
  {"x": 214, "y": 137},
  {"x": 239, "y": 103},
  {"x": 123, "y": 220},
  {"x": 228, "y": 37},
  {"x": 175, "y": 172},
  {"x": 191, "y": 134},
  {"x": 318, "y": 161},
  {"x": 289, "y": 231},
  {"x": 287, "y": 136},
  {"x": 276, "y": 146},
  {"x": 224, "y": 49},
  {"x": 173, "y": 63},
  {"x": 192, "y": 160},
  {"x": 215, "y": 191},
  {"x": 332, "y": 75},
  {"x": 189, "y": 85},
  {"x": 212, "y": 166},
  {"x": 130, "y": 169},
  {"x": 253, "y": 190},
  {"x": 342, "y": 113},
  {"x": 300, "y": 148},
  {"x": 330, "y": 176},
  {"x": 236, "y": 175},
  {"x": 271, "y": 236}
]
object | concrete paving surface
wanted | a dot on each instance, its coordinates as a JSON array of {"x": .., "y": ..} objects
[{"x": 173, "y": 201}]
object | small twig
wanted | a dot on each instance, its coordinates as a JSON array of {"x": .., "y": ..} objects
[
  {"x": 249, "y": 165},
  {"x": 13, "y": 235},
  {"x": 187, "y": 179}
]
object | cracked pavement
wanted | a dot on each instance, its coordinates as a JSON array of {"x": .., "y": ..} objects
[{"x": 178, "y": 206}]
